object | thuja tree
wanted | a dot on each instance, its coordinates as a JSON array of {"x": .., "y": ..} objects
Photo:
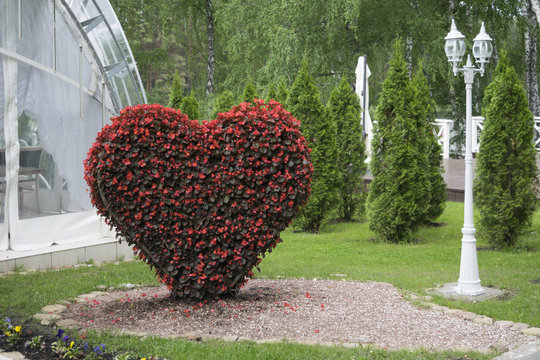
[
  {"x": 304, "y": 103},
  {"x": 282, "y": 92},
  {"x": 176, "y": 94},
  {"x": 223, "y": 103},
  {"x": 271, "y": 93},
  {"x": 344, "y": 111},
  {"x": 190, "y": 107},
  {"x": 398, "y": 194},
  {"x": 425, "y": 111},
  {"x": 506, "y": 172},
  {"x": 250, "y": 92}
]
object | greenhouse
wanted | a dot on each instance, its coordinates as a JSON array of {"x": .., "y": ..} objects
[{"x": 66, "y": 69}]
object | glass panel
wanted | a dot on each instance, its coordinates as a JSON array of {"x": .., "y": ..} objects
[
  {"x": 83, "y": 10},
  {"x": 39, "y": 193},
  {"x": 67, "y": 51},
  {"x": 36, "y": 42}
]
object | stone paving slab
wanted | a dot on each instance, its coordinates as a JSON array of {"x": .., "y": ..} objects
[
  {"x": 526, "y": 352},
  {"x": 11, "y": 356},
  {"x": 447, "y": 291}
]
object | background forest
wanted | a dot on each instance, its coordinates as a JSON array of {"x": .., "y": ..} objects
[{"x": 221, "y": 45}]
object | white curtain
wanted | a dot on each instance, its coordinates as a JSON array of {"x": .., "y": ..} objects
[{"x": 46, "y": 88}]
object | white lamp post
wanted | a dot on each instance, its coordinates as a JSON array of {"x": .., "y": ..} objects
[{"x": 469, "y": 281}]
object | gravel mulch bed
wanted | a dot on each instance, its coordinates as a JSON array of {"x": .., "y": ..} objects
[{"x": 312, "y": 311}]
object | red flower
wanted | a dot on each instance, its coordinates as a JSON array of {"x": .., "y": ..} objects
[{"x": 200, "y": 203}]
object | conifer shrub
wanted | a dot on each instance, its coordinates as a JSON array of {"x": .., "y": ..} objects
[
  {"x": 506, "y": 171},
  {"x": 250, "y": 92},
  {"x": 223, "y": 103},
  {"x": 398, "y": 195},
  {"x": 190, "y": 107},
  {"x": 344, "y": 110},
  {"x": 304, "y": 103},
  {"x": 271, "y": 93},
  {"x": 282, "y": 91},
  {"x": 176, "y": 94},
  {"x": 425, "y": 112}
]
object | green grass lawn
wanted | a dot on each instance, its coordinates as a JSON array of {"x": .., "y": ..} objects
[{"x": 342, "y": 249}]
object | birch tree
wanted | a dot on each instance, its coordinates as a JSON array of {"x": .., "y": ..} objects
[
  {"x": 531, "y": 82},
  {"x": 535, "y": 7}
]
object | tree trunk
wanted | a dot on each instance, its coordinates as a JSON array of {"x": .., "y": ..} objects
[
  {"x": 535, "y": 6},
  {"x": 409, "y": 55},
  {"x": 210, "y": 65},
  {"x": 531, "y": 81}
]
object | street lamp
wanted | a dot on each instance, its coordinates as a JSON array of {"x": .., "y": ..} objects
[{"x": 469, "y": 281}]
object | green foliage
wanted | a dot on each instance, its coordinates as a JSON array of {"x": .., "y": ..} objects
[
  {"x": 304, "y": 103},
  {"x": 282, "y": 92},
  {"x": 506, "y": 168},
  {"x": 344, "y": 110},
  {"x": 398, "y": 195},
  {"x": 224, "y": 103},
  {"x": 190, "y": 107},
  {"x": 425, "y": 112},
  {"x": 267, "y": 40},
  {"x": 176, "y": 94},
  {"x": 250, "y": 92},
  {"x": 271, "y": 93}
]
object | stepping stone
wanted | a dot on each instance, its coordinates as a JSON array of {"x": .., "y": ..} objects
[
  {"x": 534, "y": 331},
  {"x": 520, "y": 326},
  {"x": 483, "y": 320},
  {"x": 526, "y": 352},
  {"x": 504, "y": 323},
  {"x": 53, "y": 309},
  {"x": 438, "y": 308},
  {"x": 467, "y": 315},
  {"x": 192, "y": 336},
  {"x": 47, "y": 317},
  {"x": 455, "y": 312},
  {"x": 12, "y": 356},
  {"x": 269, "y": 341},
  {"x": 86, "y": 297}
]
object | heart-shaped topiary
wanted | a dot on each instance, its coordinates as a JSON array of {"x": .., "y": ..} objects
[{"x": 201, "y": 203}]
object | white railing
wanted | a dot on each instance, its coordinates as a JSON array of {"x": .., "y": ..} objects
[
  {"x": 445, "y": 126},
  {"x": 537, "y": 133},
  {"x": 443, "y": 135},
  {"x": 478, "y": 126}
]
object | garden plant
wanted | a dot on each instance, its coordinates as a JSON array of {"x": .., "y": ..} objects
[
  {"x": 399, "y": 193},
  {"x": 223, "y": 103},
  {"x": 305, "y": 104},
  {"x": 201, "y": 203},
  {"x": 343, "y": 109},
  {"x": 177, "y": 93},
  {"x": 425, "y": 113},
  {"x": 506, "y": 186}
]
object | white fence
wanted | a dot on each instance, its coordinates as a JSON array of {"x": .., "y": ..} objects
[
  {"x": 445, "y": 126},
  {"x": 443, "y": 135}
]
